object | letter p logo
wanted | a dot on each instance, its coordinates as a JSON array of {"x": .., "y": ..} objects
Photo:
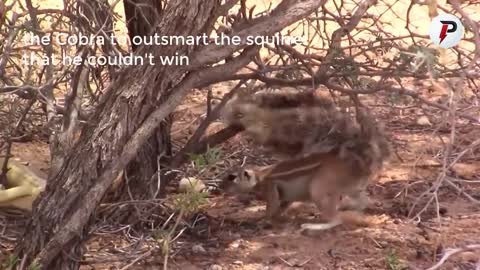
[{"x": 446, "y": 30}]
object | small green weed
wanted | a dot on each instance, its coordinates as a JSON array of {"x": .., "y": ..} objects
[
  {"x": 393, "y": 262},
  {"x": 207, "y": 159}
]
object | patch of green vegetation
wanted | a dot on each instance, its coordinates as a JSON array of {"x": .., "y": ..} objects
[
  {"x": 34, "y": 266},
  {"x": 184, "y": 204},
  {"x": 207, "y": 159},
  {"x": 393, "y": 262},
  {"x": 12, "y": 260}
]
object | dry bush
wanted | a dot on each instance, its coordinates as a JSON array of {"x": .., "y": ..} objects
[{"x": 378, "y": 50}]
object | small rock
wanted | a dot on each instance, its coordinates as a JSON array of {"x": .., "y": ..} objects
[
  {"x": 238, "y": 263},
  {"x": 237, "y": 244},
  {"x": 423, "y": 121},
  {"x": 198, "y": 249},
  {"x": 214, "y": 267},
  {"x": 191, "y": 184},
  {"x": 332, "y": 253}
]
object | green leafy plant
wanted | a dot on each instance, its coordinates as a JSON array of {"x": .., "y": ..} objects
[
  {"x": 207, "y": 159},
  {"x": 184, "y": 204},
  {"x": 12, "y": 260},
  {"x": 34, "y": 266},
  {"x": 393, "y": 262}
]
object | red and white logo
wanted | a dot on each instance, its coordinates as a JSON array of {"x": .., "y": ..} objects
[{"x": 446, "y": 30}]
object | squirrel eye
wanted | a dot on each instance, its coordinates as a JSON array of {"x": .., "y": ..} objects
[{"x": 231, "y": 177}]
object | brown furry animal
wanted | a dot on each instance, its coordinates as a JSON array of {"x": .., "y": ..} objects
[
  {"x": 322, "y": 178},
  {"x": 330, "y": 154},
  {"x": 293, "y": 124}
]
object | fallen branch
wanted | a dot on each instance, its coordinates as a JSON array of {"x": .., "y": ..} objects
[{"x": 450, "y": 252}]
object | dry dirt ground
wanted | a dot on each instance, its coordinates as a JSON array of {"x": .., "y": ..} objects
[
  {"x": 225, "y": 234},
  {"x": 232, "y": 238}
]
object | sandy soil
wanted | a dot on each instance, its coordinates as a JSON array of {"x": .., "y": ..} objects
[{"x": 227, "y": 234}]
